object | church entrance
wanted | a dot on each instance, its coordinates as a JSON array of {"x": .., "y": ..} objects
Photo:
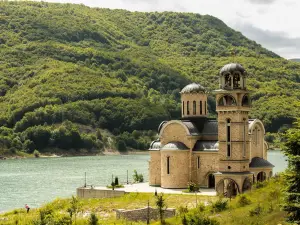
[
  {"x": 228, "y": 187},
  {"x": 261, "y": 176},
  {"x": 211, "y": 181}
]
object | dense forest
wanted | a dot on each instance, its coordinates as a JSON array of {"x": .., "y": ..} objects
[{"x": 74, "y": 77}]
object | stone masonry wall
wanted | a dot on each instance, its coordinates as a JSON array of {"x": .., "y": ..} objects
[
  {"x": 142, "y": 214},
  {"x": 154, "y": 168},
  {"x": 209, "y": 164},
  {"x": 179, "y": 168},
  {"x": 98, "y": 193},
  {"x": 174, "y": 131}
]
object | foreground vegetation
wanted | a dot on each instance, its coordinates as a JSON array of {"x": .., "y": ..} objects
[
  {"x": 74, "y": 77},
  {"x": 260, "y": 206}
]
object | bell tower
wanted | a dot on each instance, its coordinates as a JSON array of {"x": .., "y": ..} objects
[{"x": 233, "y": 106}]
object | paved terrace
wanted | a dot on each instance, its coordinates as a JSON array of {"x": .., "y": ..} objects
[{"x": 145, "y": 188}]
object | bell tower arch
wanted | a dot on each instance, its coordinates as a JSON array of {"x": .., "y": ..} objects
[{"x": 233, "y": 106}]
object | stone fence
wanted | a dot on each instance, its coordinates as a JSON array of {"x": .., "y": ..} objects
[
  {"x": 142, "y": 214},
  {"x": 85, "y": 192}
]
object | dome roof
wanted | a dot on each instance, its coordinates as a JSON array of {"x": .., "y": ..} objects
[
  {"x": 155, "y": 145},
  {"x": 216, "y": 146},
  {"x": 193, "y": 88},
  {"x": 232, "y": 67},
  {"x": 175, "y": 146}
]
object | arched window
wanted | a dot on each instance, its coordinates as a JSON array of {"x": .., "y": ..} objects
[
  {"x": 245, "y": 101},
  {"x": 188, "y": 108},
  {"x": 198, "y": 162},
  {"x": 227, "y": 100},
  {"x": 182, "y": 108},
  {"x": 228, "y": 81},
  {"x": 236, "y": 80},
  {"x": 194, "y": 107},
  {"x": 244, "y": 137},
  {"x": 200, "y": 107},
  {"x": 168, "y": 165},
  {"x": 228, "y": 134}
]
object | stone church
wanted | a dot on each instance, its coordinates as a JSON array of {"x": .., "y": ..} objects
[{"x": 228, "y": 154}]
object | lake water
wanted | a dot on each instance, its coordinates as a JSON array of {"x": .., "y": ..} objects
[{"x": 37, "y": 181}]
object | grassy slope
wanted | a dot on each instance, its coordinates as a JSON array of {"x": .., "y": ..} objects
[
  {"x": 269, "y": 198},
  {"x": 61, "y": 62}
]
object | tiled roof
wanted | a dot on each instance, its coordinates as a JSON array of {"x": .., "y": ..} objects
[
  {"x": 260, "y": 162},
  {"x": 155, "y": 145},
  {"x": 206, "y": 146},
  {"x": 175, "y": 146},
  {"x": 231, "y": 67},
  {"x": 193, "y": 88},
  {"x": 201, "y": 126}
]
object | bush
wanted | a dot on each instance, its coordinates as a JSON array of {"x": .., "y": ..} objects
[
  {"x": 36, "y": 153},
  {"x": 243, "y": 200},
  {"x": 137, "y": 178},
  {"x": 260, "y": 184},
  {"x": 219, "y": 206},
  {"x": 192, "y": 187},
  {"x": 93, "y": 220},
  {"x": 256, "y": 211},
  {"x": 198, "y": 219},
  {"x": 116, "y": 181}
]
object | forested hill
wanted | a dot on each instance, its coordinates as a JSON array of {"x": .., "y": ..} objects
[{"x": 71, "y": 75}]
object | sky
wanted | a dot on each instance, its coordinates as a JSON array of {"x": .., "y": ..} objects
[{"x": 275, "y": 24}]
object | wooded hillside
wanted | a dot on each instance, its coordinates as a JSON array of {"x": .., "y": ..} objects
[{"x": 69, "y": 71}]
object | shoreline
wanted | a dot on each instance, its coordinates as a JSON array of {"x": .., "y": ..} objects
[{"x": 55, "y": 155}]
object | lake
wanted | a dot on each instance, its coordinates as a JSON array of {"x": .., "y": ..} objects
[{"x": 37, "y": 181}]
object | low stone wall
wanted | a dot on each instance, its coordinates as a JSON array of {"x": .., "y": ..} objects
[
  {"x": 85, "y": 192},
  {"x": 142, "y": 214}
]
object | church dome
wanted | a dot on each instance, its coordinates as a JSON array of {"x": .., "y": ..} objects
[
  {"x": 232, "y": 67},
  {"x": 193, "y": 88},
  {"x": 175, "y": 146},
  {"x": 155, "y": 145},
  {"x": 216, "y": 146}
]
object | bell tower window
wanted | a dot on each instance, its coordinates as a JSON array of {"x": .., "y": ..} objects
[
  {"x": 168, "y": 165},
  {"x": 244, "y": 137},
  {"x": 228, "y": 134},
  {"x": 200, "y": 107}
]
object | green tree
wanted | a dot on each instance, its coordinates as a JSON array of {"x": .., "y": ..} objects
[
  {"x": 93, "y": 220},
  {"x": 161, "y": 206},
  {"x": 74, "y": 208},
  {"x": 292, "y": 151}
]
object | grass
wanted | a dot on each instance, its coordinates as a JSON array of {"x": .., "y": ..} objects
[
  {"x": 104, "y": 208},
  {"x": 261, "y": 206}
]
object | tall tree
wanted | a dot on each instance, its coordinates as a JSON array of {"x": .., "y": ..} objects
[{"x": 292, "y": 151}]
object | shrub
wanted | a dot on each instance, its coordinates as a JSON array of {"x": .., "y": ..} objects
[
  {"x": 137, "y": 178},
  {"x": 182, "y": 210},
  {"x": 243, "y": 200},
  {"x": 116, "y": 181},
  {"x": 93, "y": 220},
  {"x": 256, "y": 211},
  {"x": 219, "y": 206},
  {"x": 198, "y": 219},
  {"x": 260, "y": 184},
  {"x": 192, "y": 187},
  {"x": 36, "y": 153}
]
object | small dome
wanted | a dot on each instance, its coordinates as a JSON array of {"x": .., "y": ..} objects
[
  {"x": 193, "y": 88},
  {"x": 232, "y": 67},
  {"x": 155, "y": 145},
  {"x": 216, "y": 146},
  {"x": 175, "y": 146}
]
